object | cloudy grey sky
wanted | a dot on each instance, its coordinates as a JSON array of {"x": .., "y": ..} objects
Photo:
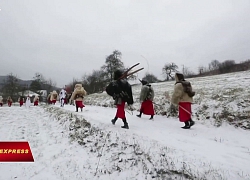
[{"x": 63, "y": 39}]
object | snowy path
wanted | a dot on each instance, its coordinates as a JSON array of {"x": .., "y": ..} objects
[
  {"x": 225, "y": 149},
  {"x": 50, "y": 147}
]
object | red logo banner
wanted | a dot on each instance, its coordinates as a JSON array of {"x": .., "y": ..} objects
[{"x": 11, "y": 151}]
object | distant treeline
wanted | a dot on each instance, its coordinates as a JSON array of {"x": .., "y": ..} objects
[{"x": 227, "y": 66}]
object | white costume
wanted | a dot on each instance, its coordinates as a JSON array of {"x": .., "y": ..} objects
[
  {"x": 62, "y": 96},
  {"x": 27, "y": 102},
  {"x": 1, "y": 101}
]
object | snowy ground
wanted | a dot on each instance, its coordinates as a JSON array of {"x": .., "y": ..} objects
[{"x": 85, "y": 145}]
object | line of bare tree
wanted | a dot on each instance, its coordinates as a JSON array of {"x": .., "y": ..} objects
[
  {"x": 13, "y": 87},
  {"x": 97, "y": 80}
]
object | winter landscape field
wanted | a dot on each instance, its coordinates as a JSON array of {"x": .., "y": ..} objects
[{"x": 85, "y": 145}]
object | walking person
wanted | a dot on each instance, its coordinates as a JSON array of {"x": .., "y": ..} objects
[
  {"x": 21, "y": 100},
  {"x": 9, "y": 100},
  {"x": 48, "y": 98},
  {"x": 121, "y": 92},
  {"x": 28, "y": 102},
  {"x": 1, "y": 101},
  {"x": 183, "y": 97},
  {"x": 53, "y": 97},
  {"x": 36, "y": 100},
  {"x": 78, "y": 96},
  {"x": 146, "y": 99},
  {"x": 62, "y": 97}
]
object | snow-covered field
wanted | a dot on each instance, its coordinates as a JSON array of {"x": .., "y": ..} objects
[
  {"x": 218, "y": 99},
  {"x": 85, "y": 145}
]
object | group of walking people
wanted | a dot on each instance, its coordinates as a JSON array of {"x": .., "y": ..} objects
[
  {"x": 75, "y": 98},
  {"x": 121, "y": 92},
  {"x": 21, "y": 100}
]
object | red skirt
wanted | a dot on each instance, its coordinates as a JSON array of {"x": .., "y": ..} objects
[
  {"x": 9, "y": 103},
  {"x": 21, "y": 103},
  {"x": 36, "y": 103},
  {"x": 79, "y": 104},
  {"x": 120, "y": 112},
  {"x": 184, "y": 111},
  {"x": 147, "y": 107},
  {"x": 53, "y": 101}
]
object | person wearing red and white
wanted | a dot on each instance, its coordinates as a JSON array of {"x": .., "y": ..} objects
[
  {"x": 9, "y": 100},
  {"x": 183, "y": 100},
  {"x": 78, "y": 96},
  {"x": 53, "y": 97},
  {"x": 36, "y": 100},
  {"x": 21, "y": 101}
]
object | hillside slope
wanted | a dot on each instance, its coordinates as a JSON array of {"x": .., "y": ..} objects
[{"x": 218, "y": 98}]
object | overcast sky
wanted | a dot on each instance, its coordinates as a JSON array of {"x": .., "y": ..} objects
[{"x": 63, "y": 39}]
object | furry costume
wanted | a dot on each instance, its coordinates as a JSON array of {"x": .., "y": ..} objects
[{"x": 78, "y": 96}]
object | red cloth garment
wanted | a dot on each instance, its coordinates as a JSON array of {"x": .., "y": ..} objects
[
  {"x": 65, "y": 100},
  {"x": 120, "y": 113},
  {"x": 184, "y": 111},
  {"x": 147, "y": 107},
  {"x": 53, "y": 101},
  {"x": 21, "y": 103},
  {"x": 79, "y": 104},
  {"x": 36, "y": 103},
  {"x": 9, "y": 103}
]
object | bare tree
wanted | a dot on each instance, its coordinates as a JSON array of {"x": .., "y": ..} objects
[
  {"x": 168, "y": 69},
  {"x": 112, "y": 63},
  {"x": 11, "y": 86},
  {"x": 94, "y": 82},
  {"x": 188, "y": 73},
  {"x": 214, "y": 65},
  {"x": 227, "y": 66},
  {"x": 150, "y": 78}
]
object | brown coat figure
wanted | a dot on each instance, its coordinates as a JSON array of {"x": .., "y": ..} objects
[
  {"x": 36, "y": 100},
  {"x": 53, "y": 97},
  {"x": 78, "y": 96},
  {"x": 183, "y": 100},
  {"x": 9, "y": 100}
]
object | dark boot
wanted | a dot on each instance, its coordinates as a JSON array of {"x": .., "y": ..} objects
[
  {"x": 139, "y": 115},
  {"x": 152, "y": 117},
  {"x": 81, "y": 109},
  {"x": 114, "y": 120},
  {"x": 187, "y": 126},
  {"x": 191, "y": 122},
  {"x": 125, "y": 124},
  {"x": 76, "y": 109}
]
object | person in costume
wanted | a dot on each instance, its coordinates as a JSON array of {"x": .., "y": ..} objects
[
  {"x": 146, "y": 99},
  {"x": 62, "y": 97},
  {"x": 183, "y": 100},
  {"x": 28, "y": 102},
  {"x": 121, "y": 92},
  {"x": 36, "y": 100},
  {"x": 9, "y": 101},
  {"x": 21, "y": 100},
  {"x": 78, "y": 96},
  {"x": 1, "y": 101},
  {"x": 53, "y": 97}
]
